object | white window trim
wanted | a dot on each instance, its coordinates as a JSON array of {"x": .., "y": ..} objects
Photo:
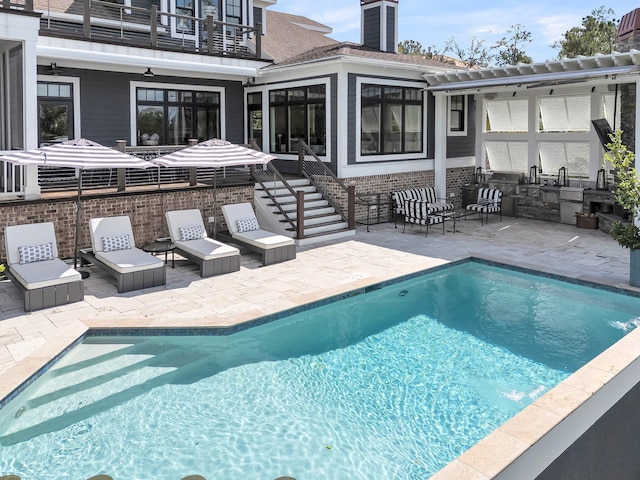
[
  {"x": 173, "y": 86},
  {"x": 266, "y": 122},
  {"x": 358, "y": 137},
  {"x": 463, "y": 132},
  {"x": 75, "y": 81}
]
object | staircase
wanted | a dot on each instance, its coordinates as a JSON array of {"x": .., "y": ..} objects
[{"x": 321, "y": 221}]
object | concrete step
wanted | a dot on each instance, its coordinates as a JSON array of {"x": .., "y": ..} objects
[{"x": 311, "y": 239}]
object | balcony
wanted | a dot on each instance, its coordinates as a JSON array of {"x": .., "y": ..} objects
[{"x": 113, "y": 23}]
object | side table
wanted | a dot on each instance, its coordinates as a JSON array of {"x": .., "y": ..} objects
[
  {"x": 163, "y": 246},
  {"x": 376, "y": 201}
]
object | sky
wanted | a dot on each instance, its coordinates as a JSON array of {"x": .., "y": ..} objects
[{"x": 431, "y": 23}]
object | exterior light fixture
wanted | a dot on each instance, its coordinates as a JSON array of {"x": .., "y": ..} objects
[{"x": 148, "y": 73}]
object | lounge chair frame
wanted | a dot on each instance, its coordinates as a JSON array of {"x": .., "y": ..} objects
[
  {"x": 208, "y": 267},
  {"x": 51, "y": 295},
  {"x": 130, "y": 281},
  {"x": 126, "y": 281},
  {"x": 270, "y": 255}
]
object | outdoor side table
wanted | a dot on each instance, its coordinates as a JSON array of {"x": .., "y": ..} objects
[
  {"x": 162, "y": 246},
  {"x": 376, "y": 201}
]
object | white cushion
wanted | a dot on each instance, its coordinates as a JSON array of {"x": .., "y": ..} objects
[
  {"x": 131, "y": 260},
  {"x": 108, "y": 227},
  {"x": 247, "y": 225},
  {"x": 44, "y": 274},
  {"x": 28, "y": 234},
  {"x": 119, "y": 242},
  {"x": 264, "y": 239},
  {"x": 207, "y": 248},
  {"x": 237, "y": 211},
  {"x": 35, "y": 253},
  {"x": 177, "y": 219},
  {"x": 191, "y": 233}
]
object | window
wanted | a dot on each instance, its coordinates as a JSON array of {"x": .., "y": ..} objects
[
  {"x": 254, "y": 105},
  {"x": 390, "y": 120},
  {"x": 565, "y": 114},
  {"x": 298, "y": 113},
  {"x": 172, "y": 117},
  {"x": 507, "y": 115},
  {"x": 184, "y": 25},
  {"x": 457, "y": 114},
  {"x": 234, "y": 11},
  {"x": 55, "y": 112}
]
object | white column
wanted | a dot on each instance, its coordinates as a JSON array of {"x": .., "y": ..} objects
[
  {"x": 31, "y": 187},
  {"x": 595, "y": 148},
  {"x": 440, "y": 152},
  {"x": 532, "y": 133}
]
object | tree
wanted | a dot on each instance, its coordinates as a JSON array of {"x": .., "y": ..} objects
[
  {"x": 474, "y": 56},
  {"x": 411, "y": 47},
  {"x": 597, "y": 34},
  {"x": 511, "y": 48}
]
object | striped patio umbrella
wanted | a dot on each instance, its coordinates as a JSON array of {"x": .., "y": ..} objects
[
  {"x": 214, "y": 153},
  {"x": 82, "y": 154}
]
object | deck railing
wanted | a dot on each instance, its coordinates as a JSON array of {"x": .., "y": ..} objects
[{"x": 110, "y": 22}]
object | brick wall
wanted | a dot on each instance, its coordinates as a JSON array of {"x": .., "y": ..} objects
[{"x": 146, "y": 210}]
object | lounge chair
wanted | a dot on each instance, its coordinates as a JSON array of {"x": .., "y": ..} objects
[
  {"x": 245, "y": 230},
  {"x": 114, "y": 251},
  {"x": 35, "y": 269},
  {"x": 188, "y": 234}
]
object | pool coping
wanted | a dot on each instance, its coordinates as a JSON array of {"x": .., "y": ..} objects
[{"x": 522, "y": 442}]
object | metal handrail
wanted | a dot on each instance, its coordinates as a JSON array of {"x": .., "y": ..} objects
[
  {"x": 310, "y": 166},
  {"x": 271, "y": 174}
]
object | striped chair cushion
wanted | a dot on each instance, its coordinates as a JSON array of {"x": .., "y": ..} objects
[
  {"x": 425, "y": 194},
  {"x": 489, "y": 201},
  {"x": 417, "y": 212}
]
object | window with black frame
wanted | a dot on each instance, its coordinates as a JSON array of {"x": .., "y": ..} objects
[
  {"x": 55, "y": 112},
  {"x": 457, "y": 113},
  {"x": 254, "y": 105},
  {"x": 186, "y": 8},
  {"x": 390, "y": 120},
  {"x": 172, "y": 117},
  {"x": 298, "y": 113}
]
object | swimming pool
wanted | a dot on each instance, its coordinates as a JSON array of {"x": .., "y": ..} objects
[{"x": 391, "y": 384}]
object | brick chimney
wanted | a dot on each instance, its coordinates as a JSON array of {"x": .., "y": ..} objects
[
  {"x": 628, "y": 35},
  {"x": 379, "y": 28}
]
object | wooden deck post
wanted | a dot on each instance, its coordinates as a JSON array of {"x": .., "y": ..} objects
[
  {"x": 122, "y": 172},
  {"x": 153, "y": 25},
  {"x": 86, "y": 19},
  {"x": 259, "y": 40},
  {"x": 351, "y": 207},
  {"x": 300, "y": 214}
]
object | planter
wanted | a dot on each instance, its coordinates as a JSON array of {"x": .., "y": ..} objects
[
  {"x": 584, "y": 221},
  {"x": 634, "y": 268}
]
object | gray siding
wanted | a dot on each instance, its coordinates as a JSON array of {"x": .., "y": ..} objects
[
  {"x": 371, "y": 34},
  {"x": 105, "y": 105},
  {"x": 391, "y": 29},
  {"x": 464, "y": 146}
]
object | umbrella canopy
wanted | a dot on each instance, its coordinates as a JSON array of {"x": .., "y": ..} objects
[
  {"x": 214, "y": 153},
  {"x": 82, "y": 154}
]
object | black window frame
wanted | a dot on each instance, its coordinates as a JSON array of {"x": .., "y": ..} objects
[
  {"x": 194, "y": 104},
  {"x": 385, "y": 99},
  {"x": 307, "y": 98},
  {"x": 457, "y": 108},
  {"x": 51, "y": 99}
]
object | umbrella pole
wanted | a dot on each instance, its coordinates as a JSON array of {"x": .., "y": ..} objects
[
  {"x": 78, "y": 219},
  {"x": 215, "y": 203}
]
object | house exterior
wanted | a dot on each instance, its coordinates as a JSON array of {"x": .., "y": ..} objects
[{"x": 161, "y": 72}]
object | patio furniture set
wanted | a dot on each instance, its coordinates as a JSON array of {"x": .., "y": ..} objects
[
  {"x": 420, "y": 206},
  {"x": 44, "y": 280}
]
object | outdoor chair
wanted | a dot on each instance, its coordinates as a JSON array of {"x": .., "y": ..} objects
[
  {"x": 188, "y": 234},
  {"x": 114, "y": 251},
  {"x": 245, "y": 230},
  {"x": 424, "y": 194},
  {"x": 489, "y": 201},
  {"x": 417, "y": 212},
  {"x": 35, "y": 269}
]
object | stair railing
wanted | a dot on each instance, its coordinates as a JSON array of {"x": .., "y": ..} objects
[
  {"x": 271, "y": 174},
  {"x": 312, "y": 168}
]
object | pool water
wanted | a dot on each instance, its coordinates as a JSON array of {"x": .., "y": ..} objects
[{"x": 394, "y": 383}]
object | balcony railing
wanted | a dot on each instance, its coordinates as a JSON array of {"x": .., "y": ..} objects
[{"x": 108, "y": 22}]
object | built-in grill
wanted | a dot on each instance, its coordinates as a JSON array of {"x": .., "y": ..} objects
[{"x": 510, "y": 184}]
